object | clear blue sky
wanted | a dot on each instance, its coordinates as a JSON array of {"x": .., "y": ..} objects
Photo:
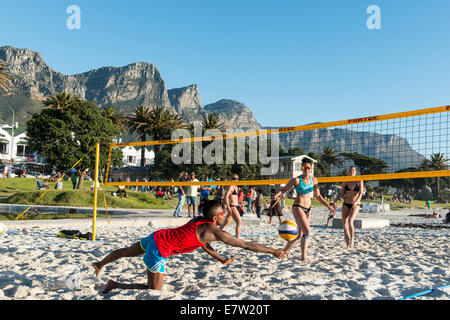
[{"x": 290, "y": 62}]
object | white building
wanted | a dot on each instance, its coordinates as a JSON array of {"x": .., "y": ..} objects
[
  {"x": 289, "y": 167},
  {"x": 15, "y": 149},
  {"x": 21, "y": 154},
  {"x": 132, "y": 156}
]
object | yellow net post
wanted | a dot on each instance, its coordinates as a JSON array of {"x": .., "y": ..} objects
[{"x": 94, "y": 213}]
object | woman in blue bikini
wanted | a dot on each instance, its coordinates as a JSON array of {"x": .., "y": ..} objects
[
  {"x": 306, "y": 187},
  {"x": 352, "y": 192}
]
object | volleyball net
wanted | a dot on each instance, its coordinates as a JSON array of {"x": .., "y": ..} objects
[{"x": 413, "y": 144}]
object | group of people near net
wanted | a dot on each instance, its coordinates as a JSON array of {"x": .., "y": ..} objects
[{"x": 209, "y": 227}]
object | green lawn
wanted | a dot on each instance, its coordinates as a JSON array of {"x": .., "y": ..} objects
[
  {"x": 23, "y": 191},
  {"x": 30, "y": 216}
]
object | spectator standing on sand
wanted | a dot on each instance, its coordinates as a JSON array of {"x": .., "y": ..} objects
[
  {"x": 259, "y": 202},
  {"x": 254, "y": 195},
  {"x": 275, "y": 207},
  {"x": 249, "y": 198},
  {"x": 241, "y": 202},
  {"x": 191, "y": 196},
  {"x": 205, "y": 191},
  {"x": 220, "y": 196},
  {"x": 181, "y": 195}
]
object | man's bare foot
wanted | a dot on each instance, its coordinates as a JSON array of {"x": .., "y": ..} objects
[
  {"x": 98, "y": 268},
  {"x": 109, "y": 286}
]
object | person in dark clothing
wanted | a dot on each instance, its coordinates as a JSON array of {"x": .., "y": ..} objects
[{"x": 275, "y": 207}]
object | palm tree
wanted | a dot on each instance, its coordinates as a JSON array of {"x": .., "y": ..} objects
[
  {"x": 61, "y": 101},
  {"x": 157, "y": 123},
  {"x": 342, "y": 172},
  {"x": 437, "y": 161},
  {"x": 5, "y": 80},
  {"x": 425, "y": 165},
  {"x": 164, "y": 122},
  {"x": 212, "y": 120},
  {"x": 139, "y": 122},
  {"x": 329, "y": 155},
  {"x": 366, "y": 164},
  {"x": 116, "y": 117}
]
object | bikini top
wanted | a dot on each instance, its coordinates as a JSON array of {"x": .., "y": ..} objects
[
  {"x": 347, "y": 188},
  {"x": 303, "y": 188}
]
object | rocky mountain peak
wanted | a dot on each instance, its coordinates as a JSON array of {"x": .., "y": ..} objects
[
  {"x": 235, "y": 114},
  {"x": 125, "y": 87},
  {"x": 186, "y": 97}
]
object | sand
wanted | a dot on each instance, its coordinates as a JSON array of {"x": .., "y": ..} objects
[{"x": 387, "y": 263}]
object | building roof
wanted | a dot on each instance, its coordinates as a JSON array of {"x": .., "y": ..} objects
[{"x": 293, "y": 158}]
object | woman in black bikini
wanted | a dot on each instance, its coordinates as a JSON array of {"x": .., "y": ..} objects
[
  {"x": 352, "y": 192},
  {"x": 232, "y": 204}
]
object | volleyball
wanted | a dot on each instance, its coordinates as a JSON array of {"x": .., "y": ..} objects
[{"x": 288, "y": 230}]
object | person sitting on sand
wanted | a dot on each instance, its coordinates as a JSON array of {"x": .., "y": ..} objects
[{"x": 161, "y": 244}]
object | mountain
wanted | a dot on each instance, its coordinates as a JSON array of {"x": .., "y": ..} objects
[
  {"x": 125, "y": 87},
  {"x": 393, "y": 149},
  {"x": 142, "y": 83},
  {"x": 187, "y": 102},
  {"x": 137, "y": 83},
  {"x": 234, "y": 113}
]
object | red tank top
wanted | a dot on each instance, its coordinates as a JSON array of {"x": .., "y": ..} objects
[{"x": 179, "y": 240}]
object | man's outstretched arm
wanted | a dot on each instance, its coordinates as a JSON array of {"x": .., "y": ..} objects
[
  {"x": 213, "y": 253},
  {"x": 225, "y": 237}
]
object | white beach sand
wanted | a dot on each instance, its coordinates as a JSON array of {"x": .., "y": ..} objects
[{"x": 386, "y": 263}]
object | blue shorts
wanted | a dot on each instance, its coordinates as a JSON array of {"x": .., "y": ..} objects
[
  {"x": 191, "y": 200},
  {"x": 153, "y": 259}
]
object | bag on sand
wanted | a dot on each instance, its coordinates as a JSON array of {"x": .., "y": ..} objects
[{"x": 74, "y": 234}]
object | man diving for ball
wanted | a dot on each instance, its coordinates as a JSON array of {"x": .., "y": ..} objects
[{"x": 161, "y": 244}]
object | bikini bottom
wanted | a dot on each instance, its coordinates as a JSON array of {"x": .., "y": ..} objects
[
  {"x": 306, "y": 210},
  {"x": 350, "y": 205}
]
